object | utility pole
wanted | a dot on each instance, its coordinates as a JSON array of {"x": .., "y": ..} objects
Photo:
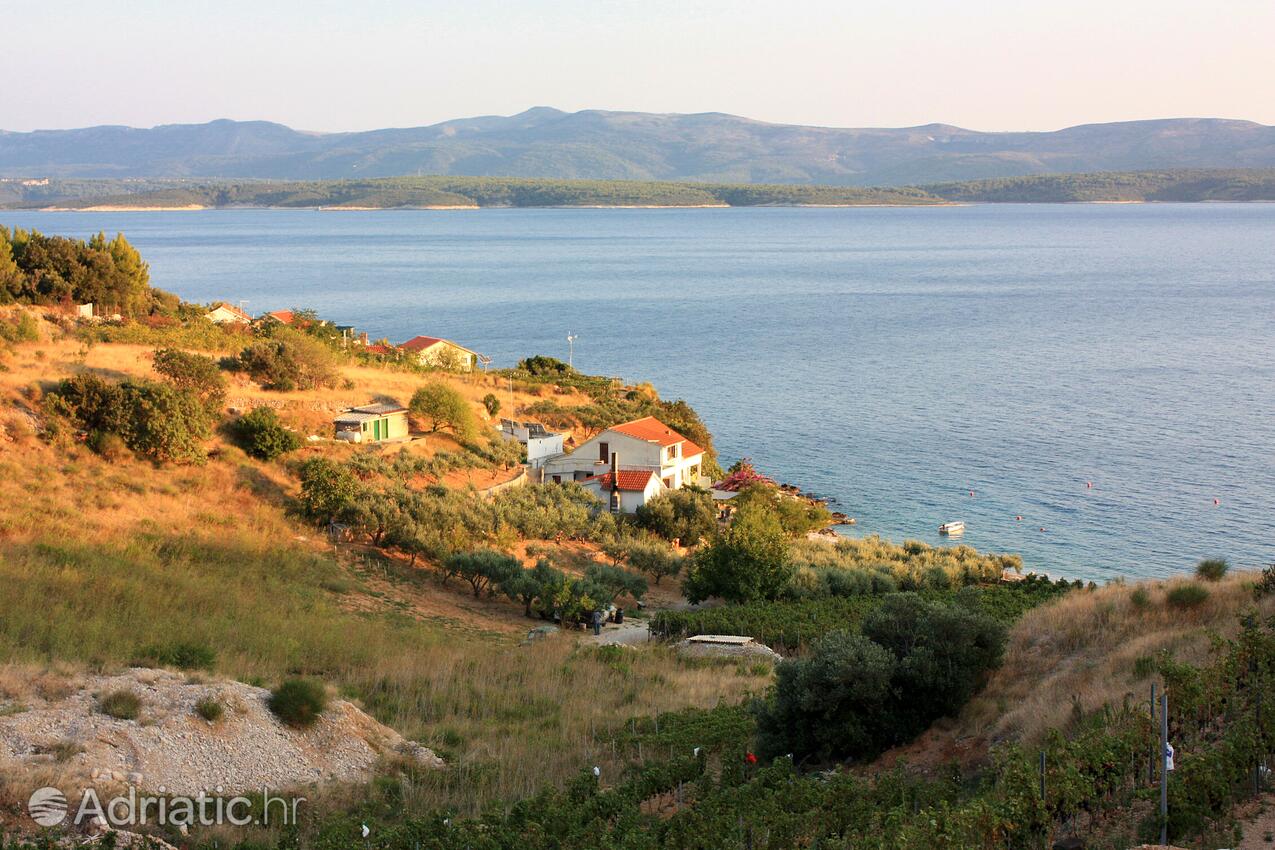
[
  {"x": 1164, "y": 768},
  {"x": 1151, "y": 764},
  {"x": 571, "y": 349}
]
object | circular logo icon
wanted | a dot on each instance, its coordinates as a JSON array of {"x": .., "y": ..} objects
[{"x": 47, "y": 807}]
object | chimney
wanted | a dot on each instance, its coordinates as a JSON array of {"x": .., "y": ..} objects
[{"x": 615, "y": 482}]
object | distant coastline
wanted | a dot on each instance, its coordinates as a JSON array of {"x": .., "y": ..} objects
[{"x": 452, "y": 193}]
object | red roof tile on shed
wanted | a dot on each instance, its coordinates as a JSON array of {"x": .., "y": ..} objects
[
  {"x": 654, "y": 431},
  {"x": 630, "y": 479}
]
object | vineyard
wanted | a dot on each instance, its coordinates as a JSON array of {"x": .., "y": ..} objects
[
  {"x": 1097, "y": 781},
  {"x": 787, "y": 626}
]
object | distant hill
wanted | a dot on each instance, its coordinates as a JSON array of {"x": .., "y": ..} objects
[
  {"x": 415, "y": 192},
  {"x": 600, "y": 145}
]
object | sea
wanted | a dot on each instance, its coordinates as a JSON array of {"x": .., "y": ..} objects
[{"x": 1091, "y": 386}]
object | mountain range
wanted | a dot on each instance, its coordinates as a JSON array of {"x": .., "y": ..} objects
[{"x": 601, "y": 145}]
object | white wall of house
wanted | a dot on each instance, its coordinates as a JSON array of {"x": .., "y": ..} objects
[
  {"x": 593, "y": 457},
  {"x": 539, "y": 449},
  {"x": 630, "y": 500}
]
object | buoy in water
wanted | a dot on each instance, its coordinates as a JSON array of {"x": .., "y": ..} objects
[
  {"x": 1089, "y": 485},
  {"x": 1042, "y": 528},
  {"x": 971, "y": 494},
  {"x": 1019, "y": 518},
  {"x": 1217, "y": 502}
]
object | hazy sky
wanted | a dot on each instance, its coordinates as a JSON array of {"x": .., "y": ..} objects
[{"x": 359, "y": 64}]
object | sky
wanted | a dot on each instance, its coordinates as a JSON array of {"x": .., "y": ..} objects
[{"x": 334, "y": 66}]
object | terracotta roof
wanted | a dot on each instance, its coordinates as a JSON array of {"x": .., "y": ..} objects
[
  {"x": 285, "y": 316},
  {"x": 420, "y": 343},
  {"x": 377, "y": 348},
  {"x": 630, "y": 479},
  {"x": 654, "y": 431}
]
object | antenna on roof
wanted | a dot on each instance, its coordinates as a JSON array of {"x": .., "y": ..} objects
[{"x": 571, "y": 349}]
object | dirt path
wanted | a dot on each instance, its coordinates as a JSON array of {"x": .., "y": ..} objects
[{"x": 631, "y": 633}]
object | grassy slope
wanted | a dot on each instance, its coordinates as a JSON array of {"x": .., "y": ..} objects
[{"x": 100, "y": 559}]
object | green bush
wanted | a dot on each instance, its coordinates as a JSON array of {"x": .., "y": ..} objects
[
  {"x": 21, "y": 328},
  {"x": 491, "y": 404},
  {"x": 183, "y": 655},
  {"x": 210, "y": 709},
  {"x": 262, "y": 435},
  {"x": 164, "y": 422},
  {"x": 299, "y": 702},
  {"x": 1140, "y": 599},
  {"x": 121, "y": 704},
  {"x": 444, "y": 407},
  {"x": 327, "y": 489},
  {"x": 196, "y": 373},
  {"x": 1186, "y": 596},
  {"x": 1211, "y": 569},
  {"x": 747, "y": 562},
  {"x": 484, "y": 569},
  {"x": 858, "y": 694},
  {"x": 654, "y": 558},
  {"x": 686, "y": 515},
  {"x": 288, "y": 360}
]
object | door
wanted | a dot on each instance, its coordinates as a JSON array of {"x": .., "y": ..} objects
[{"x": 376, "y": 429}]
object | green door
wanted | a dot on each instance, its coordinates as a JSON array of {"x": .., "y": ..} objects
[{"x": 376, "y": 429}]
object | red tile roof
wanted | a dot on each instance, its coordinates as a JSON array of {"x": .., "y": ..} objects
[
  {"x": 420, "y": 343},
  {"x": 377, "y": 348},
  {"x": 653, "y": 430},
  {"x": 285, "y": 316},
  {"x": 630, "y": 479}
]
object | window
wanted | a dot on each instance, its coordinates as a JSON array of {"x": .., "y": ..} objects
[
  {"x": 604, "y": 452},
  {"x": 557, "y": 479}
]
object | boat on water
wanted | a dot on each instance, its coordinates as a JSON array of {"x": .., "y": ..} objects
[{"x": 957, "y": 527}]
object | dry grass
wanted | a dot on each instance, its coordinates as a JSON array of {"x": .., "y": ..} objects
[
  {"x": 101, "y": 559},
  {"x": 1083, "y": 651}
]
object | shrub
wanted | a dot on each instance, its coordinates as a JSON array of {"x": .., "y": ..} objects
[
  {"x": 444, "y": 407},
  {"x": 162, "y": 421},
  {"x": 1186, "y": 596},
  {"x": 21, "y": 328},
  {"x": 482, "y": 568},
  {"x": 545, "y": 367},
  {"x": 262, "y": 435},
  {"x": 856, "y": 695},
  {"x": 655, "y": 559},
  {"x": 797, "y": 516},
  {"x": 288, "y": 360},
  {"x": 109, "y": 446},
  {"x": 121, "y": 704},
  {"x": 184, "y": 655},
  {"x": 748, "y": 562},
  {"x": 298, "y": 702},
  {"x": 327, "y": 489},
  {"x": 210, "y": 709},
  {"x": 491, "y": 404},
  {"x": 1211, "y": 569},
  {"x": 1140, "y": 599},
  {"x": 686, "y": 515},
  {"x": 196, "y": 373}
]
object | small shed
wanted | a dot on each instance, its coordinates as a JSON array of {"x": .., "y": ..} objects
[{"x": 372, "y": 423}]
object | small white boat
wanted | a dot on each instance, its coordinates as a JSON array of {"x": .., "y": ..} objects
[{"x": 957, "y": 527}]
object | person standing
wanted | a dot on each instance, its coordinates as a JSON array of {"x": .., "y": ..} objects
[{"x": 597, "y": 622}]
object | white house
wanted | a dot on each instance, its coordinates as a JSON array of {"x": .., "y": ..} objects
[
  {"x": 645, "y": 445},
  {"x": 228, "y": 314},
  {"x": 442, "y": 353},
  {"x": 637, "y": 487},
  {"x": 541, "y": 444}
]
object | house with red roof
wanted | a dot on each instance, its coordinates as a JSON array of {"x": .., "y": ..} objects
[
  {"x": 636, "y": 488},
  {"x": 641, "y": 452},
  {"x": 441, "y": 353}
]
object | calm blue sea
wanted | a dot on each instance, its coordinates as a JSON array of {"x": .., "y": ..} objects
[{"x": 892, "y": 359}]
